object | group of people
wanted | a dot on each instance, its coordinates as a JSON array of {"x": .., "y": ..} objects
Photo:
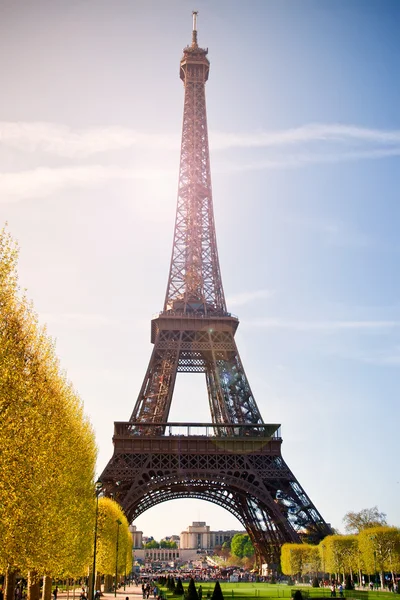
[
  {"x": 339, "y": 588},
  {"x": 150, "y": 588}
]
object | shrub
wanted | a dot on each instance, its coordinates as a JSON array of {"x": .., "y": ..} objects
[
  {"x": 191, "y": 592},
  {"x": 179, "y": 591},
  {"x": 217, "y": 593}
]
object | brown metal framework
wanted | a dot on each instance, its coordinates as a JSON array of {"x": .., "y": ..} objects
[{"x": 235, "y": 461}]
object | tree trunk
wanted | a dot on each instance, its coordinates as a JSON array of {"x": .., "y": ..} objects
[
  {"x": 98, "y": 582},
  {"x": 90, "y": 586},
  {"x": 33, "y": 586},
  {"x": 9, "y": 589},
  {"x": 47, "y": 585},
  {"x": 108, "y": 583}
]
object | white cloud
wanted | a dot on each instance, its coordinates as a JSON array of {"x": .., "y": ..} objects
[
  {"x": 309, "y": 144},
  {"x": 302, "y": 159},
  {"x": 44, "y": 181},
  {"x": 245, "y": 297},
  {"x": 64, "y": 141},
  {"x": 313, "y": 132}
]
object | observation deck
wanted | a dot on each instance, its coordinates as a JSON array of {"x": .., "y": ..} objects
[{"x": 209, "y": 438}]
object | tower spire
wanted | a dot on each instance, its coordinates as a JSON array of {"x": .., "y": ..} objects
[{"x": 194, "y": 32}]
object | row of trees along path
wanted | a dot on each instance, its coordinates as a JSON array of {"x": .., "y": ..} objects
[
  {"x": 372, "y": 548},
  {"x": 47, "y": 456}
]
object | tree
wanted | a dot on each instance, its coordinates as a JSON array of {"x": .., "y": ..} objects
[
  {"x": 248, "y": 549},
  {"x": 349, "y": 583},
  {"x": 179, "y": 591},
  {"x": 217, "y": 593},
  {"x": 152, "y": 544},
  {"x": 294, "y": 558},
  {"x": 107, "y": 532},
  {"x": 380, "y": 549},
  {"x": 241, "y": 546},
  {"x": 47, "y": 447},
  {"x": 364, "y": 519},
  {"x": 191, "y": 592},
  {"x": 164, "y": 544}
]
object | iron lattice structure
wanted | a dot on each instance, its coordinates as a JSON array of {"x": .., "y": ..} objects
[{"x": 235, "y": 461}]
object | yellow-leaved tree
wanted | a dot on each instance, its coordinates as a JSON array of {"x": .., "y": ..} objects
[
  {"x": 380, "y": 548},
  {"x": 113, "y": 535},
  {"x": 295, "y": 559},
  {"x": 47, "y": 447}
]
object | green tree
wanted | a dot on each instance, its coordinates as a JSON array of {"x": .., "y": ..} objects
[
  {"x": 248, "y": 549},
  {"x": 241, "y": 546},
  {"x": 217, "y": 592},
  {"x": 152, "y": 544},
  {"x": 166, "y": 544},
  {"x": 179, "y": 591},
  {"x": 191, "y": 592}
]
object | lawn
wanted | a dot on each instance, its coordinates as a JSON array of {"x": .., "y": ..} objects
[{"x": 250, "y": 591}]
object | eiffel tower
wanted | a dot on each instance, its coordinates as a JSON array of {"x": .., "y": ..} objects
[{"x": 235, "y": 461}]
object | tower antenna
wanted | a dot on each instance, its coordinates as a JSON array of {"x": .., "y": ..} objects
[{"x": 194, "y": 32}]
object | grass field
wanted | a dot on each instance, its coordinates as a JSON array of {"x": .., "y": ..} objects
[{"x": 250, "y": 591}]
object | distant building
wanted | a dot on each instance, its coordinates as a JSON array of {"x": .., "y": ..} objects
[
  {"x": 137, "y": 536},
  {"x": 195, "y": 541},
  {"x": 198, "y": 536}
]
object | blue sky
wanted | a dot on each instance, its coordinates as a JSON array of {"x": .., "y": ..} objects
[{"x": 304, "y": 127}]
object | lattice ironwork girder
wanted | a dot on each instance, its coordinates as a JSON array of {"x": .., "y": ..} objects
[
  {"x": 259, "y": 449},
  {"x": 171, "y": 322},
  {"x": 195, "y": 278}
]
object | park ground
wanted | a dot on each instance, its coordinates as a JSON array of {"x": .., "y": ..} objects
[{"x": 242, "y": 591}]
